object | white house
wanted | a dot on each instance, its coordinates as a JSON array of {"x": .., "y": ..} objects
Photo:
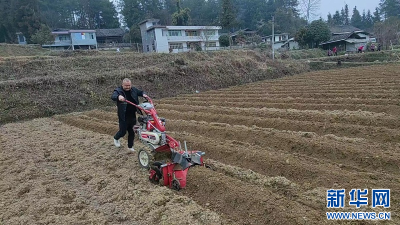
[
  {"x": 281, "y": 41},
  {"x": 157, "y": 38}
]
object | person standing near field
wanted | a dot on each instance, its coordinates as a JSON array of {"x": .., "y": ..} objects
[
  {"x": 126, "y": 112},
  {"x": 334, "y": 50}
]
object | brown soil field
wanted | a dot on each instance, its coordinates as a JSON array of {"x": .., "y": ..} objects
[{"x": 275, "y": 146}]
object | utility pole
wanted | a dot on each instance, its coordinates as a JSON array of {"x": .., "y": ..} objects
[{"x": 273, "y": 38}]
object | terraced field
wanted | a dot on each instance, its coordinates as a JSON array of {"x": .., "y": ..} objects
[{"x": 277, "y": 146}]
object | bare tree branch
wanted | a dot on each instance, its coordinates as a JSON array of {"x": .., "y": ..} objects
[{"x": 309, "y": 8}]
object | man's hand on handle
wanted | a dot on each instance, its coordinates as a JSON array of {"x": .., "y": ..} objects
[{"x": 121, "y": 98}]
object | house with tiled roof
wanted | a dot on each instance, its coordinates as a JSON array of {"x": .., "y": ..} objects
[
  {"x": 346, "y": 38},
  {"x": 115, "y": 35}
]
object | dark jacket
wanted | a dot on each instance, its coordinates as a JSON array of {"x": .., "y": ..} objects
[{"x": 135, "y": 93}]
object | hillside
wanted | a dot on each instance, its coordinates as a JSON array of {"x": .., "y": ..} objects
[{"x": 46, "y": 85}]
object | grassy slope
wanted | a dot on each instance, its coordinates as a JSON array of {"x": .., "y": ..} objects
[
  {"x": 8, "y": 50},
  {"x": 46, "y": 85}
]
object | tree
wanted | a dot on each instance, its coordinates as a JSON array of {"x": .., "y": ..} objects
[
  {"x": 356, "y": 19},
  {"x": 330, "y": 20},
  {"x": 337, "y": 19},
  {"x": 319, "y": 32},
  {"x": 343, "y": 16},
  {"x": 7, "y": 21},
  {"x": 228, "y": 17},
  {"x": 181, "y": 16},
  {"x": 310, "y": 8},
  {"x": 303, "y": 38},
  {"x": 43, "y": 36},
  {"x": 386, "y": 31},
  {"x": 132, "y": 11},
  {"x": 390, "y": 8},
  {"x": 346, "y": 15},
  {"x": 28, "y": 18},
  {"x": 369, "y": 20},
  {"x": 224, "y": 40},
  {"x": 377, "y": 16}
]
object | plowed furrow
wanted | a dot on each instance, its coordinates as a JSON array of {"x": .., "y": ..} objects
[
  {"x": 276, "y": 161},
  {"x": 391, "y": 109},
  {"x": 89, "y": 123},
  {"x": 348, "y": 117},
  {"x": 320, "y": 87},
  {"x": 298, "y": 168},
  {"x": 380, "y": 134},
  {"x": 243, "y": 203},
  {"x": 298, "y": 100},
  {"x": 340, "y": 150},
  {"x": 306, "y": 94},
  {"x": 311, "y": 82}
]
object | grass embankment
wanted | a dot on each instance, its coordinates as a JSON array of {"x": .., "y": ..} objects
[
  {"x": 14, "y": 50},
  {"x": 43, "y": 86},
  {"x": 354, "y": 60}
]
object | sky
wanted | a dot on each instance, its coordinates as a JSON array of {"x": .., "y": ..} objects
[{"x": 333, "y": 5}]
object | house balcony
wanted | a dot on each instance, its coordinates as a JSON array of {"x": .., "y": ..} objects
[{"x": 192, "y": 38}]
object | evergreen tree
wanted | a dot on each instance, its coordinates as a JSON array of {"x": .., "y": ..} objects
[
  {"x": 228, "y": 17},
  {"x": 181, "y": 16},
  {"x": 356, "y": 20},
  {"x": 377, "y": 16},
  {"x": 369, "y": 20},
  {"x": 28, "y": 18},
  {"x": 342, "y": 16},
  {"x": 364, "y": 22},
  {"x": 43, "y": 36},
  {"x": 330, "y": 19},
  {"x": 346, "y": 15},
  {"x": 337, "y": 20},
  {"x": 390, "y": 8}
]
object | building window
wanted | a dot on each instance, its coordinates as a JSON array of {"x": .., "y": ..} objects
[
  {"x": 174, "y": 33},
  {"x": 91, "y": 36},
  {"x": 211, "y": 44},
  {"x": 150, "y": 34},
  {"x": 176, "y": 45},
  {"x": 63, "y": 38},
  {"x": 209, "y": 32},
  {"x": 154, "y": 47},
  {"x": 191, "y": 33},
  {"x": 148, "y": 49}
]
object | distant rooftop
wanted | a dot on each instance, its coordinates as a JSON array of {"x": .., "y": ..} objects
[
  {"x": 336, "y": 29},
  {"x": 110, "y": 32}
]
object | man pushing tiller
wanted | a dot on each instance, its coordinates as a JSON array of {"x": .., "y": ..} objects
[{"x": 126, "y": 112}]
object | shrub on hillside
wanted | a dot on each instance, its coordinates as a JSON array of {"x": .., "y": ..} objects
[{"x": 224, "y": 40}]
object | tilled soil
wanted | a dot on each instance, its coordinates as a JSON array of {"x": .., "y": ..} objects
[{"x": 276, "y": 148}]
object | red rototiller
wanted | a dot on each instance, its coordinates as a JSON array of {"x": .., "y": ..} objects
[{"x": 162, "y": 155}]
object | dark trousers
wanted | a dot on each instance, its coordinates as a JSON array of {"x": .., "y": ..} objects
[{"x": 124, "y": 126}]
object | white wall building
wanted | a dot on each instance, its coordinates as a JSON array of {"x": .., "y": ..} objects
[
  {"x": 164, "y": 39},
  {"x": 281, "y": 41}
]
